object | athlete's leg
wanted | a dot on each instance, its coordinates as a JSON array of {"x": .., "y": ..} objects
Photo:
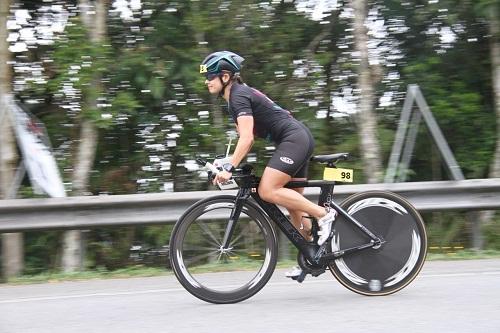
[
  {"x": 272, "y": 189},
  {"x": 298, "y": 217},
  {"x": 290, "y": 160}
]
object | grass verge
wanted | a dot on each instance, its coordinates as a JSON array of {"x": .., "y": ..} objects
[
  {"x": 129, "y": 272},
  {"x": 141, "y": 271},
  {"x": 465, "y": 255}
]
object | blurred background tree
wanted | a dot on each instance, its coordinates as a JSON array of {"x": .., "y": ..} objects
[{"x": 12, "y": 243}]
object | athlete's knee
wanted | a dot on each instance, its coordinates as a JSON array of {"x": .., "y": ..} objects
[{"x": 267, "y": 193}]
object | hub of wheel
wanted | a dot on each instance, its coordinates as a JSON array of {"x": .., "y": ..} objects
[
  {"x": 377, "y": 244},
  {"x": 223, "y": 250}
]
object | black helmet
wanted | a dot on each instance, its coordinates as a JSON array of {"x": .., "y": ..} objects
[{"x": 220, "y": 61}]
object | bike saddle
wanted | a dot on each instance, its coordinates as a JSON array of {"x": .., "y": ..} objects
[{"x": 331, "y": 158}]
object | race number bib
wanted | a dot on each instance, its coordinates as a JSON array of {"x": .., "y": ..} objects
[{"x": 339, "y": 175}]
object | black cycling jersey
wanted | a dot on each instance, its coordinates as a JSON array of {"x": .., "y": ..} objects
[
  {"x": 269, "y": 118},
  {"x": 295, "y": 143}
]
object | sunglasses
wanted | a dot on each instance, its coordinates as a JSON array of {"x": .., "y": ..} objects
[{"x": 211, "y": 76}]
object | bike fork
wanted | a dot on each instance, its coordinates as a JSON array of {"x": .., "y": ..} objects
[{"x": 241, "y": 197}]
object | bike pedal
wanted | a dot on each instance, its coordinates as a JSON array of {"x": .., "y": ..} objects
[{"x": 300, "y": 278}]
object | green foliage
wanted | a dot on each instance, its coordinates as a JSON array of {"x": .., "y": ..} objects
[
  {"x": 43, "y": 252},
  {"x": 156, "y": 236},
  {"x": 76, "y": 60},
  {"x": 123, "y": 104},
  {"x": 491, "y": 233},
  {"x": 487, "y": 8},
  {"x": 109, "y": 249},
  {"x": 459, "y": 108},
  {"x": 446, "y": 231}
]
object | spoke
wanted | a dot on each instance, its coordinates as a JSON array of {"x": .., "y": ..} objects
[
  {"x": 199, "y": 257},
  {"x": 197, "y": 247},
  {"x": 209, "y": 232},
  {"x": 238, "y": 253},
  {"x": 246, "y": 252},
  {"x": 225, "y": 256},
  {"x": 242, "y": 233}
]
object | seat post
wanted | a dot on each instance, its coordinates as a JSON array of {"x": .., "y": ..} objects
[{"x": 325, "y": 194}]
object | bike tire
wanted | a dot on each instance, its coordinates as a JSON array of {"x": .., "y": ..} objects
[
  {"x": 197, "y": 260},
  {"x": 396, "y": 263}
]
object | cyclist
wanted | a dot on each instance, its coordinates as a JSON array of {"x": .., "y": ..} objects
[{"x": 254, "y": 114}]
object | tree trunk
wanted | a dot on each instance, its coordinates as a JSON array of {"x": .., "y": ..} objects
[
  {"x": 85, "y": 157},
  {"x": 366, "y": 119},
  {"x": 94, "y": 19},
  {"x": 12, "y": 243},
  {"x": 93, "y": 14},
  {"x": 494, "y": 26},
  {"x": 494, "y": 29}
]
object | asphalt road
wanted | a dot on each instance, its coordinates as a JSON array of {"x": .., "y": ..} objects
[{"x": 453, "y": 296}]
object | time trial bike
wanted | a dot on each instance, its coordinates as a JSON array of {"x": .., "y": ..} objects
[{"x": 377, "y": 246}]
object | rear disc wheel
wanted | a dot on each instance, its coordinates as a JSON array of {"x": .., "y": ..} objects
[{"x": 395, "y": 263}]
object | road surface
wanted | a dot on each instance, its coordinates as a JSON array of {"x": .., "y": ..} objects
[{"x": 448, "y": 296}]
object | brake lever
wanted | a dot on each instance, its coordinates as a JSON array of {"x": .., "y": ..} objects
[
  {"x": 211, "y": 176},
  {"x": 201, "y": 161}
]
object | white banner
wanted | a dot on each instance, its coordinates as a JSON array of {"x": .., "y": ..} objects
[{"x": 35, "y": 147}]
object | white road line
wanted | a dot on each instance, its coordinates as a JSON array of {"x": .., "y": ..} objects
[
  {"x": 169, "y": 290},
  {"x": 459, "y": 274},
  {"x": 121, "y": 293}
]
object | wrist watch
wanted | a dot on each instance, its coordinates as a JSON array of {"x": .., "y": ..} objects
[{"x": 228, "y": 167}]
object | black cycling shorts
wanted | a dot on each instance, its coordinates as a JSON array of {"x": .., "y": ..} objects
[{"x": 293, "y": 150}]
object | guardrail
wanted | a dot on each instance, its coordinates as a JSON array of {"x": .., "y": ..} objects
[{"x": 160, "y": 208}]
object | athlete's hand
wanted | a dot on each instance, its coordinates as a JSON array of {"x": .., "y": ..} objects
[{"x": 222, "y": 177}]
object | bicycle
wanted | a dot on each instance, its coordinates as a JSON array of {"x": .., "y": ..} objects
[{"x": 377, "y": 246}]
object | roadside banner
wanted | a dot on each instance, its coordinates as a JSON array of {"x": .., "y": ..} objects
[{"x": 35, "y": 147}]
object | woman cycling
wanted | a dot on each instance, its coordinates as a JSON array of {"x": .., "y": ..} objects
[{"x": 256, "y": 115}]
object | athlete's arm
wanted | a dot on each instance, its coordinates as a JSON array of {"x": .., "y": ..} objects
[{"x": 245, "y": 141}]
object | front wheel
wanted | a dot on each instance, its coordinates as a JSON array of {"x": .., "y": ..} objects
[
  {"x": 390, "y": 267},
  {"x": 205, "y": 268}
]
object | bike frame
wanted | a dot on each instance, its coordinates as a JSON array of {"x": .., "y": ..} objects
[{"x": 314, "y": 253}]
